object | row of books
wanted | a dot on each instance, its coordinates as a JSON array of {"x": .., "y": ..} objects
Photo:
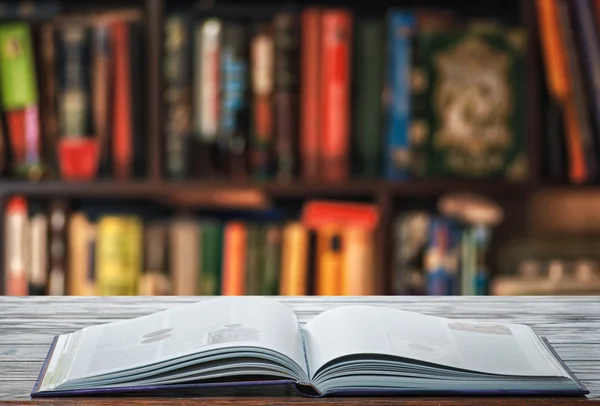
[
  {"x": 51, "y": 250},
  {"x": 73, "y": 94},
  {"x": 570, "y": 40},
  {"x": 325, "y": 94}
]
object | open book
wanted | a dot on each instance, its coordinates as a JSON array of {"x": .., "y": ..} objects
[{"x": 254, "y": 342}]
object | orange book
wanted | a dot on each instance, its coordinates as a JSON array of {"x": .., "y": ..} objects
[
  {"x": 234, "y": 259},
  {"x": 329, "y": 261},
  {"x": 294, "y": 258},
  {"x": 336, "y": 30},
  {"x": 317, "y": 213},
  {"x": 122, "y": 126},
  {"x": 15, "y": 254},
  {"x": 558, "y": 81},
  {"x": 310, "y": 99},
  {"x": 358, "y": 262}
]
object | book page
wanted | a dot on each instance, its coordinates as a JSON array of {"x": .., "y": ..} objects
[
  {"x": 225, "y": 322},
  {"x": 487, "y": 347}
]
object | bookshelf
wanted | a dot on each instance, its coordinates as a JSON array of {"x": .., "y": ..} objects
[{"x": 390, "y": 197}]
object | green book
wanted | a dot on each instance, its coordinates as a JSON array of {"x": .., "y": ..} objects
[
  {"x": 475, "y": 102},
  {"x": 272, "y": 264},
  {"x": 17, "y": 67},
  {"x": 211, "y": 244},
  {"x": 368, "y": 117}
]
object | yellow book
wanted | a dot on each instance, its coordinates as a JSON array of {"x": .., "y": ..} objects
[
  {"x": 358, "y": 262},
  {"x": 330, "y": 261},
  {"x": 118, "y": 255},
  {"x": 294, "y": 258}
]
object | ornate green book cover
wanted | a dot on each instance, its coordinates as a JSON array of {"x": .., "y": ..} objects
[{"x": 476, "y": 103}]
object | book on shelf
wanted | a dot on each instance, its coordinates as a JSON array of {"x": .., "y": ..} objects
[{"x": 258, "y": 343}]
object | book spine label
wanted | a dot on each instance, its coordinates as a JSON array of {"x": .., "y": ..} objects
[
  {"x": 286, "y": 92},
  {"x": 310, "y": 103},
  {"x": 401, "y": 30},
  {"x": 262, "y": 49},
  {"x": 122, "y": 142},
  {"x": 370, "y": 39},
  {"x": 177, "y": 96},
  {"x": 233, "y": 129},
  {"x": 335, "y": 87}
]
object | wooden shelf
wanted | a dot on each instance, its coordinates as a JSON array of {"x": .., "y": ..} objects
[{"x": 293, "y": 189}]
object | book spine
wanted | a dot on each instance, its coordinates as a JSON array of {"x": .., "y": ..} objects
[
  {"x": 437, "y": 275},
  {"x": 286, "y": 92},
  {"x": 262, "y": 55},
  {"x": 154, "y": 281},
  {"x": 58, "y": 247},
  {"x": 310, "y": 103},
  {"x": 138, "y": 95},
  {"x": 400, "y": 30},
  {"x": 234, "y": 259},
  {"x": 358, "y": 262},
  {"x": 211, "y": 253},
  {"x": 207, "y": 53},
  {"x": 16, "y": 226},
  {"x": 367, "y": 140},
  {"x": 589, "y": 52},
  {"x": 294, "y": 278},
  {"x": 101, "y": 82},
  {"x": 335, "y": 87},
  {"x": 272, "y": 262},
  {"x": 122, "y": 142},
  {"x": 118, "y": 255},
  {"x": 177, "y": 96},
  {"x": 253, "y": 259},
  {"x": 233, "y": 129},
  {"x": 184, "y": 241},
  {"x": 78, "y": 251},
  {"x": 74, "y": 85},
  {"x": 48, "y": 92},
  {"x": 38, "y": 251},
  {"x": 557, "y": 77},
  {"x": 330, "y": 261}
]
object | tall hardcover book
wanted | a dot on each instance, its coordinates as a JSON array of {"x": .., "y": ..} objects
[
  {"x": 294, "y": 260},
  {"x": 233, "y": 129},
  {"x": 359, "y": 267},
  {"x": 254, "y": 256},
  {"x": 155, "y": 279},
  {"x": 48, "y": 92},
  {"x": 101, "y": 92},
  {"x": 138, "y": 95},
  {"x": 401, "y": 29},
  {"x": 272, "y": 260},
  {"x": 310, "y": 92},
  {"x": 207, "y": 86},
  {"x": 489, "y": 141},
  {"x": 368, "y": 106},
  {"x": 80, "y": 282},
  {"x": 330, "y": 269},
  {"x": 336, "y": 37},
  {"x": 286, "y": 35},
  {"x": 184, "y": 256},
  {"x": 16, "y": 225},
  {"x": 38, "y": 250},
  {"x": 177, "y": 96},
  {"x": 262, "y": 50}
]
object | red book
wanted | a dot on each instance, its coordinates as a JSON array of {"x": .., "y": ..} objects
[
  {"x": 310, "y": 99},
  {"x": 122, "y": 125},
  {"x": 336, "y": 26}
]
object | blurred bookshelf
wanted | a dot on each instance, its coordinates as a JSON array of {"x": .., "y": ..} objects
[{"x": 101, "y": 154}]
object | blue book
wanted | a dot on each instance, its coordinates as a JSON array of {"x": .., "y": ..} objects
[{"x": 401, "y": 29}]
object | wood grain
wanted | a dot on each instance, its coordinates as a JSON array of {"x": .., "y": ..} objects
[{"x": 27, "y": 325}]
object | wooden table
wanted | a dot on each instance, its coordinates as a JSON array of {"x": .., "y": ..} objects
[{"x": 28, "y": 324}]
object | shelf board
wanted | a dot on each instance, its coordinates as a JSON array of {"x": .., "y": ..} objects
[{"x": 272, "y": 189}]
